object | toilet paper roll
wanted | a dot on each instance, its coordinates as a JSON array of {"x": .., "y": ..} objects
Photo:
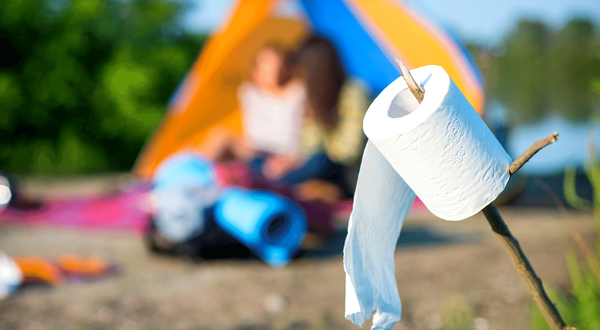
[
  {"x": 441, "y": 148},
  {"x": 442, "y": 151}
]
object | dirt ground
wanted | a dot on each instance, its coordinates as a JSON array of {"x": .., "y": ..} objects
[{"x": 442, "y": 268}]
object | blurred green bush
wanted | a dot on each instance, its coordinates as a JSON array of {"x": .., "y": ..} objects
[
  {"x": 536, "y": 70},
  {"x": 83, "y": 83}
]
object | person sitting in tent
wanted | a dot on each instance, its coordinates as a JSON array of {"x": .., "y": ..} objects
[
  {"x": 319, "y": 131},
  {"x": 331, "y": 134},
  {"x": 272, "y": 110},
  {"x": 297, "y": 128}
]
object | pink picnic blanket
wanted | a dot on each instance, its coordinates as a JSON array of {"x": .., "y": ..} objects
[{"x": 122, "y": 212}]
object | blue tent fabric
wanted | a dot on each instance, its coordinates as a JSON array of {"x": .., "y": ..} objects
[{"x": 360, "y": 54}]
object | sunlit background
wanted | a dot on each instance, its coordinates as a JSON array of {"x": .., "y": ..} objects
[
  {"x": 84, "y": 85},
  {"x": 88, "y": 80}
]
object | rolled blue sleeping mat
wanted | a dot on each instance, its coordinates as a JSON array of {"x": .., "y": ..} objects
[
  {"x": 185, "y": 169},
  {"x": 270, "y": 225}
]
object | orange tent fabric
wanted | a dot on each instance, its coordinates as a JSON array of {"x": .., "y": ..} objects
[
  {"x": 391, "y": 21},
  {"x": 367, "y": 33},
  {"x": 208, "y": 95}
]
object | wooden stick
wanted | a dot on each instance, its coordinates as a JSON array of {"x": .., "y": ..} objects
[
  {"x": 414, "y": 88},
  {"x": 517, "y": 256},
  {"x": 510, "y": 243},
  {"x": 537, "y": 146},
  {"x": 521, "y": 263}
]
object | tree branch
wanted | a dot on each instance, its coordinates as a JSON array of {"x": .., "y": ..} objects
[
  {"x": 526, "y": 156},
  {"x": 521, "y": 263},
  {"x": 517, "y": 256}
]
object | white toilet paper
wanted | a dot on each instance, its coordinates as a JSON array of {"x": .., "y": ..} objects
[
  {"x": 440, "y": 149},
  {"x": 381, "y": 203}
]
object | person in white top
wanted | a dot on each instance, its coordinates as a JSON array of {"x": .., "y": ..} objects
[
  {"x": 273, "y": 107},
  {"x": 271, "y": 121},
  {"x": 272, "y": 104}
]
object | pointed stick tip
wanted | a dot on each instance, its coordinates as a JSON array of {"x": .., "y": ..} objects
[
  {"x": 414, "y": 88},
  {"x": 403, "y": 67}
]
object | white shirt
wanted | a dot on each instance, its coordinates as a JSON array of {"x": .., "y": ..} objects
[{"x": 272, "y": 123}]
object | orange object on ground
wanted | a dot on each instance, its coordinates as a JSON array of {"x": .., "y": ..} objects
[
  {"x": 42, "y": 270},
  {"x": 39, "y": 270},
  {"x": 84, "y": 267}
]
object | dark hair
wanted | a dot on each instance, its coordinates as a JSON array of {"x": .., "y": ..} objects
[
  {"x": 287, "y": 61},
  {"x": 320, "y": 67}
]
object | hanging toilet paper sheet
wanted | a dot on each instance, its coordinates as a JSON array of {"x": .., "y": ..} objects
[{"x": 440, "y": 150}]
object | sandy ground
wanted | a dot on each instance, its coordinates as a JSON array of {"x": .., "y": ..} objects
[{"x": 442, "y": 268}]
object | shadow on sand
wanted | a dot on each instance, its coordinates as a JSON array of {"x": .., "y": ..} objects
[
  {"x": 215, "y": 244},
  {"x": 416, "y": 235}
]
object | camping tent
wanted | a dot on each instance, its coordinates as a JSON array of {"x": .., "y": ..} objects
[{"x": 368, "y": 34}]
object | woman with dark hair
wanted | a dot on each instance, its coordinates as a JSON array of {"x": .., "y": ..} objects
[
  {"x": 319, "y": 67},
  {"x": 332, "y": 129}
]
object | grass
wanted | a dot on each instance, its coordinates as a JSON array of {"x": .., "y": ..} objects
[{"x": 581, "y": 306}]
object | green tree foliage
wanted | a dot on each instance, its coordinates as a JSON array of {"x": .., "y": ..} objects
[
  {"x": 83, "y": 83},
  {"x": 545, "y": 71},
  {"x": 522, "y": 70},
  {"x": 574, "y": 64}
]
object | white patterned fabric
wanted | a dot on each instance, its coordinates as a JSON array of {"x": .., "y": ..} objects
[{"x": 272, "y": 123}]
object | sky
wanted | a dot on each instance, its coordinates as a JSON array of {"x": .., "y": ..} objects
[{"x": 478, "y": 21}]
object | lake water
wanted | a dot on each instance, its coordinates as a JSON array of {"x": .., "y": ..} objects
[{"x": 572, "y": 148}]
